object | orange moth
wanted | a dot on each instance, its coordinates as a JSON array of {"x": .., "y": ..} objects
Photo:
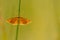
[{"x": 22, "y": 21}]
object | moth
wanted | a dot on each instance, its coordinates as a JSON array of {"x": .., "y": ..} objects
[{"x": 18, "y": 20}]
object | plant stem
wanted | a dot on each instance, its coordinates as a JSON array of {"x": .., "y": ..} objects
[
  {"x": 17, "y": 33},
  {"x": 19, "y": 5}
]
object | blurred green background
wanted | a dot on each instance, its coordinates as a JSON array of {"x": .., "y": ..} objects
[{"x": 44, "y": 14}]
